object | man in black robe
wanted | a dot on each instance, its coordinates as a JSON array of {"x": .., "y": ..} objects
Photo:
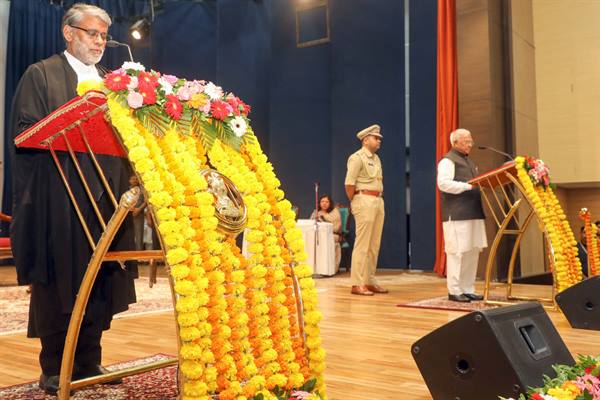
[{"x": 50, "y": 248}]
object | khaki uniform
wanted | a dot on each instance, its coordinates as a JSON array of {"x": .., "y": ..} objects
[{"x": 365, "y": 173}]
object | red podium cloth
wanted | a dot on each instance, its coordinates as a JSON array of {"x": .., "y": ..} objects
[{"x": 87, "y": 111}]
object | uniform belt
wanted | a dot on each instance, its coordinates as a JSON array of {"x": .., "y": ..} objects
[{"x": 370, "y": 193}]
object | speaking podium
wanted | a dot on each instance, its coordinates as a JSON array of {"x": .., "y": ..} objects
[
  {"x": 512, "y": 211},
  {"x": 83, "y": 126}
]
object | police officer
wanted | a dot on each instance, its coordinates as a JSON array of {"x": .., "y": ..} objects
[{"x": 364, "y": 187}]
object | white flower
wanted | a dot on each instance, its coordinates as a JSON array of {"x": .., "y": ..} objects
[
  {"x": 133, "y": 83},
  {"x": 213, "y": 91},
  {"x": 166, "y": 86},
  {"x": 133, "y": 65},
  {"x": 239, "y": 126}
]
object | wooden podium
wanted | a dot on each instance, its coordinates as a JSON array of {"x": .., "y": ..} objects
[
  {"x": 512, "y": 212},
  {"x": 83, "y": 126}
]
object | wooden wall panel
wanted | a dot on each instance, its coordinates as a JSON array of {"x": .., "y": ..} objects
[{"x": 567, "y": 51}]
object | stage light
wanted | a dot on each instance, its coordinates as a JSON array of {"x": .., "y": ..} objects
[{"x": 140, "y": 29}]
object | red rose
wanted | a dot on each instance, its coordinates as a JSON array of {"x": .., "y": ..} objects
[
  {"x": 173, "y": 106},
  {"x": 220, "y": 109},
  {"x": 117, "y": 81},
  {"x": 147, "y": 81},
  {"x": 149, "y": 95}
]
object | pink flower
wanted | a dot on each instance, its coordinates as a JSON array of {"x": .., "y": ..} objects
[
  {"x": 172, "y": 79},
  {"x": 300, "y": 395},
  {"x": 184, "y": 93},
  {"x": 196, "y": 86},
  {"x": 206, "y": 108},
  {"x": 135, "y": 100}
]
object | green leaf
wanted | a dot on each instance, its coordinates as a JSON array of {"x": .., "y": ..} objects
[
  {"x": 154, "y": 119},
  {"x": 309, "y": 385},
  {"x": 229, "y": 138},
  {"x": 184, "y": 125},
  {"x": 205, "y": 130}
]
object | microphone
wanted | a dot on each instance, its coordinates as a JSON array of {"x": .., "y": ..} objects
[
  {"x": 496, "y": 151},
  {"x": 114, "y": 43}
]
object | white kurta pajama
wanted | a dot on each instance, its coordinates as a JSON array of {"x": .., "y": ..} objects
[{"x": 463, "y": 240}]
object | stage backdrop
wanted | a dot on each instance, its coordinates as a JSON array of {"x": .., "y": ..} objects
[{"x": 308, "y": 103}]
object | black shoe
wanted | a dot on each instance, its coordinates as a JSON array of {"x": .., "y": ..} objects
[
  {"x": 473, "y": 296},
  {"x": 461, "y": 298},
  {"x": 89, "y": 371},
  {"x": 49, "y": 384}
]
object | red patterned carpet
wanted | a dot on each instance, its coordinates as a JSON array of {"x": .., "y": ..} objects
[
  {"x": 159, "y": 384},
  {"x": 442, "y": 303},
  {"x": 14, "y": 303}
]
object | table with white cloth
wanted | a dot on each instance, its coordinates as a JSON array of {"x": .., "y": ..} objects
[{"x": 325, "y": 245}]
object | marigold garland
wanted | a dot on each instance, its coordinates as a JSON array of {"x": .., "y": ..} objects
[
  {"x": 237, "y": 317},
  {"x": 563, "y": 245},
  {"x": 593, "y": 251}
]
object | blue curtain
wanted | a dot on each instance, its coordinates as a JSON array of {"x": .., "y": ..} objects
[{"x": 34, "y": 34}]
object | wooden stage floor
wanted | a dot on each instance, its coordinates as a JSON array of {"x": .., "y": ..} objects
[{"x": 367, "y": 339}]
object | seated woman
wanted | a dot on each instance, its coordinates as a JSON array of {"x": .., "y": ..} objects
[{"x": 328, "y": 213}]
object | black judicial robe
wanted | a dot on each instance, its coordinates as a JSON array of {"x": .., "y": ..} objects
[{"x": 49, "y": 245}]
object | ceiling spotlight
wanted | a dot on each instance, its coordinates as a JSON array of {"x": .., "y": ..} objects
[{"x": 140, "y": 29}]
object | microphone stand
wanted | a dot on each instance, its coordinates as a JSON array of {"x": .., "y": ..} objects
[
  {"x": 316, "y": 227},
  {"x": 114, "y": 43},
  {"x": 496, "y": 151}
]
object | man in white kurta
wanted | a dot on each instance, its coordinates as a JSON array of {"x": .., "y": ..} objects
[{"x": 463, "y": 218}]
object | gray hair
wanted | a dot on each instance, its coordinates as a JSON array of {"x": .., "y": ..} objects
[
  {"x": 76, "y": 13},
  {"x": 457, "y": 134}
]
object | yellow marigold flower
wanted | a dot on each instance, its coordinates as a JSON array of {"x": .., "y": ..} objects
[
  {"x": 191, "y": 369},
  {"x": 214, "y": 262},
  {"x": 180, "y": 271},
  {"x": 90, "y": 84},
  {"x": 203, "y": 298},
  {"x": 174, "y": 239},
  {"x": 190, "y": 351},
  {"x": 187, "y": 319},
  {"x": 138, "y": 153},
  {"x": 277, "y": 380},
  {"x": 187, "y": 304},
  {"x": 160, "y": 199},
  {"x": 185, "y": 288},
  {"x": 195, "y": 388},
  {"x": 189, "y": 333},
  {"x": 176, "y": 256}
]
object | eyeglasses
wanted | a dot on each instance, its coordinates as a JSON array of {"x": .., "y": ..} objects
[{"x": 93, "y": 34}]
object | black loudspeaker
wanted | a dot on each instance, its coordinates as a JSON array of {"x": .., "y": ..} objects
[
  {"x": 491, "y": 353},
  {"x": 581, "y": 304}
]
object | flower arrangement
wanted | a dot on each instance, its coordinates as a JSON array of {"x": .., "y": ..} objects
[
  {"x": 538, "y": 171},
  {"x": 591, "y": 242},
  {"x": 563, "y": 251},
  {"x": 160, "y": 102},
  {"x": 578, "y": 382},
  {"x": 237, "y": 316}
]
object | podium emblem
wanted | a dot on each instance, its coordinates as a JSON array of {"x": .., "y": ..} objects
[{"x": 230, "y": 209}]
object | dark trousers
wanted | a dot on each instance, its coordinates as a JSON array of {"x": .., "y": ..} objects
[{"x": 88, "y": 352}]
